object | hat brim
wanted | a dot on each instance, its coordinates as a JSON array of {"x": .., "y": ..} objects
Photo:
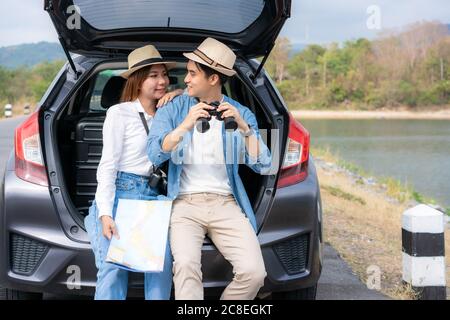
[
  {"x": 169, "y": 65},
  {"x": 194, "y": 57}
]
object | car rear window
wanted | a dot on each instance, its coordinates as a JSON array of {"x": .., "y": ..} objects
[
  {"x": 100, "y": 82},
  {"x": 177, "y": 76},
  {"x": 231, "y": 16},
  {"x": 177, "y": 82}
]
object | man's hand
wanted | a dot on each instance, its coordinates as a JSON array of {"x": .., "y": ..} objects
[
  {"x": 232, "y": 111},
  {"x": 109, "y": 227},
  {"x": 173, "y": 138},
  {"x": 251, "y": 142},
  {"x": 196, "y": 112}
]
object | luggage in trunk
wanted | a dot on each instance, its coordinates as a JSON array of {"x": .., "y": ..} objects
[{"x": 88, "y": 142}]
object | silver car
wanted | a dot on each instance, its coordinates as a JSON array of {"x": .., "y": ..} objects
[{"x": 50, "y": 178}]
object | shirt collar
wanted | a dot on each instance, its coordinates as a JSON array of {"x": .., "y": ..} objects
[{"x": 139, "y": 108}]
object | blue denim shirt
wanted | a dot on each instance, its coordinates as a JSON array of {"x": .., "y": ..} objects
[{"x": 172, "y": 114}]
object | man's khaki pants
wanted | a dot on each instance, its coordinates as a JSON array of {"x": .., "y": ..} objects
[{"x": 221, "y": 218}]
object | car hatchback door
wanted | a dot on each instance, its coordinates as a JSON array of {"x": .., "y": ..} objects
[{"x": 249, "y": 27}]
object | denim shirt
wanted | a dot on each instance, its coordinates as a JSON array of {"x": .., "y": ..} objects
[{"x": 170, "y": 117}]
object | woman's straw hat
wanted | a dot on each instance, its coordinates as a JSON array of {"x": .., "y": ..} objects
[{"x": 143, "y": 57}]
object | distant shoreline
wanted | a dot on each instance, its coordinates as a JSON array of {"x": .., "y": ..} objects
[{"x": 352, "y": 114}]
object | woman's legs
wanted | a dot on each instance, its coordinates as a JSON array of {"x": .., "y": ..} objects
[
  {"x": 112, "y": 282},
  {"x": 158, "y": 286}
]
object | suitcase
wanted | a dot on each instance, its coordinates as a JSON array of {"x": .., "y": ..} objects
[{"x": 89, "y": 145}]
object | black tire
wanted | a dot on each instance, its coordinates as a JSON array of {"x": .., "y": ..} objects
[
  {"x": 300, "y": 294},
  {"x": 11, "y": 294}
]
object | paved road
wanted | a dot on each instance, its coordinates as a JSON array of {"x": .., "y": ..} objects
[
  {"x": 336, "y": 283},
  {"x": 7, "y": 127}
]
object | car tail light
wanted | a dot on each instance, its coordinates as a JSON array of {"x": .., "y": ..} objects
[
  {"x": 29, "y": 162},
  {"x": 295, "y": 164}
]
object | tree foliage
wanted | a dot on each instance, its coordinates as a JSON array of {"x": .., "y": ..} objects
[
  {"x": 408, "y": 67},
  {"x": 27, "y": 83}
]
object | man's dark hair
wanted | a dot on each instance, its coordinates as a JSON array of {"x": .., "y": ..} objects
[{"x": 209, "y": 72}]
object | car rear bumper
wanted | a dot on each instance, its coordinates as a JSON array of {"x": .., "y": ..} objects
[{"x": 38, "y": 256}]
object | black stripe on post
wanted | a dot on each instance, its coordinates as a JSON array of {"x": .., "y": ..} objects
[
  {"x": 431, "y": 293},
  {"x": 423, "y": 244}
]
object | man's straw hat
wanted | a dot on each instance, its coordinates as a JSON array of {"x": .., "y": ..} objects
[{"x": 214, "y": 54}]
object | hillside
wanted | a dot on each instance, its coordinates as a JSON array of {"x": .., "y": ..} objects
[{"x": 30, "y": 54}]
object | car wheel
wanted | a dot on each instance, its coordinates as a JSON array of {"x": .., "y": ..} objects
[
  {"x": 11, "y": 294},
  {"x": 300, "y": 294}
]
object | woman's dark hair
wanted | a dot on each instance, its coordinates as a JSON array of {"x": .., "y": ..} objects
[{"x": 209, "y": 72}]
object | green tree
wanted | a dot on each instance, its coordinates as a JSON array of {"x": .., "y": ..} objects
[
  {"x": 42, "y": 76},
  {"x": 306, "y": 65},
  {"x": 278, "y": 59}
]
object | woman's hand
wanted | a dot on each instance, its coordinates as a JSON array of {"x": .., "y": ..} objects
[
  {"x": 168, "y": 97},
  {"x": 109, "y": 227}
]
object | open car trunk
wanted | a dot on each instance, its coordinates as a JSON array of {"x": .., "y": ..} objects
[
  {"x": 79, "y": 133},
  {"x": 249, "y": 27}
]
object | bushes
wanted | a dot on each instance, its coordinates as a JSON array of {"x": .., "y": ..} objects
[
  {"x": 25, "y": 83},
  {"x": 336, "y": 93},
  {"x": 407, "y": 94},
  {"x": 442, "y": 91},
  {"x": 375, "y": 98},
  {"x": 291, "y": 90},
  {"x": 428, "y": 98}
]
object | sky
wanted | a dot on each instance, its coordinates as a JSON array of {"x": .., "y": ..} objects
[
  {"x": 312, "y": 21},
  {"x": 325, "y": 21}
]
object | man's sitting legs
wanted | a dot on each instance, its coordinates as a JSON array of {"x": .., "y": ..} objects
[{"x": 231, "y": 232}]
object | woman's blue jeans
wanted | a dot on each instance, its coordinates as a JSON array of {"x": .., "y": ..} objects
[{"x": 112, "y": 281}]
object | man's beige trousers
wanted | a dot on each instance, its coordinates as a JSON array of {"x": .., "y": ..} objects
[{"x": 221, "y": 218}]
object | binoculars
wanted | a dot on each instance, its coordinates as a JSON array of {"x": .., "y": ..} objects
[{"x": 203, "y": 123}]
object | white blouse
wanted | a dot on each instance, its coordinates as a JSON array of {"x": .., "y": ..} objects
[{"x": 124, "y": 149}]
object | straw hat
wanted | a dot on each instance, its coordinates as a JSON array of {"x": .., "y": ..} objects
[
  {"x": 143, "y": 57},
  {"x": 214, "y": 54}
]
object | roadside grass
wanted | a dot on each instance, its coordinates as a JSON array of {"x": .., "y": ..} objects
[
  {"x": 342, "y": 194},
  {"x": 363, "y": 221},
  {"x": 394, "y": 188}
]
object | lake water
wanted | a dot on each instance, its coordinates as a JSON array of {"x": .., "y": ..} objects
[{"x": 416, "y": 152}]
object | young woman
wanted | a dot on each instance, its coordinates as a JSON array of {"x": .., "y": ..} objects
[{"x": 124, "y": 169}]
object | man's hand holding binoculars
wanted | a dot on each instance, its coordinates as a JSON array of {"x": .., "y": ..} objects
[
  {"x": 199, "y": 115},
  {"x": 200, "y": 110},
  {"x": 230, "y": 111}
]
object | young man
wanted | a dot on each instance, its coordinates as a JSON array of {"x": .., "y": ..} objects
[{"x": 210, "y": 198}]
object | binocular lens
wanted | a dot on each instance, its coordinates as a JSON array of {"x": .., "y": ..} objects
[
  {"x": 202, "y": 125},
  {"x": 230, "y": 123}
]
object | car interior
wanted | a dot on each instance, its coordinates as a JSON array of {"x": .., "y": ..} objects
[{"x": 79, "y": 132}]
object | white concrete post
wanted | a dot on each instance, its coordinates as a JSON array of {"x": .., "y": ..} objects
[
  {"x": 8, "y": 111},
  {"x": 26, "y": 109},
  {"x": 423, "y": 249}
]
